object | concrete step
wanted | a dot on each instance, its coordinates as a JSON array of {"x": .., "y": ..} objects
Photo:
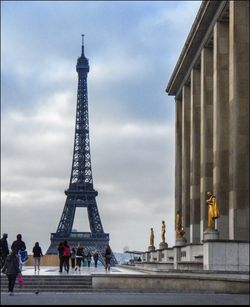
[
  {"x": 50, "y": 284},
  {"x": 30, "y": 290},
  {"x": 53, "y": 281}
]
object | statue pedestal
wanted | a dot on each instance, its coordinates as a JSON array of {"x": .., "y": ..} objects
[
  {"x": 210, "y": 234},
  {"x": 180, "y": 241},
  {"x": 163, "y": 245},
  {"x": 151, "y": 248}
]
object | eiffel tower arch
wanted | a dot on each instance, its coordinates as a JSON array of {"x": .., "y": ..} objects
[{"x": 81, "y": 192}]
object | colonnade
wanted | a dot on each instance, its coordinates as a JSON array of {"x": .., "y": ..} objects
[{"x": 212, "y": 131}]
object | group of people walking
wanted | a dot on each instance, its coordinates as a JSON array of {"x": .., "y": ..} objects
[
  {"x": 12, "y": 261},
  {"x": 77, "y": 255}
]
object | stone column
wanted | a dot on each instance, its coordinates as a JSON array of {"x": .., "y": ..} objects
[
  {"x": 195, "y": 156},
  {"x": 177, "y": 256},
  {"x": 220, "y": 125},
  {"x": 239, "y": 120},
  {"x": 206, "y": 180},
  {"x": 178, "y": 155},
  {"x": 186, "y": 160}
]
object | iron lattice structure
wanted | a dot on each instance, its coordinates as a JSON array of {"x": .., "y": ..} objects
[{"x": 81, "y": 192}]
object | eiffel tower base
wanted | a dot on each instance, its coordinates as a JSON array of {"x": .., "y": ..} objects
[{"x": 87, "y": 240}]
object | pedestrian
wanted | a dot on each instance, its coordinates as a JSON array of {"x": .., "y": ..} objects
[
  {"x": 11, "y": 269},
  {"x": 37, "y": 253},
  {"x": 95, "y": 257},
  {"x": 60, "y": 254},
  {"x": 89, "y": 256},
  {"x": 79, "y": 256},
  {"x": 66, "y": 255},
  {"x": 4, "y": 249},
  {"x": 20, "y": 246},
  {"x": 107, "y": 257},
  {"x": 73, "y": 257},
  {"x": 84, "y": 256}
]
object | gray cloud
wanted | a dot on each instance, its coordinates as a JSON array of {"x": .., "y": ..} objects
[{"x": 132, "y": 48}]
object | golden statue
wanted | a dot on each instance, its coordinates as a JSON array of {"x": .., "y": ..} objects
[
  {"x": 213, "y": 211},
  {"x": 178, "y": 225},
  {"x": 152, "y": 237},
  {"x": 163, "y": 230}
]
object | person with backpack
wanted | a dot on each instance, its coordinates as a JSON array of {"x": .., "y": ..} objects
[
  {"x": 37, "y": 253},
  {"x": 18, "y": 244},
  {"x": 20, "y": 247},
  {"x": 66, "y": 255},
  {"x": 4, "y": 249}
]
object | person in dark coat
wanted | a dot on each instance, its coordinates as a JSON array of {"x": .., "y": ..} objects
[
  {"x": 60, "y": 253},
  {"x": 11, "y": 269},
  {"x": 20, "y": 247},
  {"x": 37, "y": 253},
  {"x": 89, "y": 256},
  {"x": 107, "y": 257},
  {"x": 73, "y": 257},
  {"x": 79, "y": 257},
  {"x": 4, "y": 249},
  {"x": 95, "y": 257}
]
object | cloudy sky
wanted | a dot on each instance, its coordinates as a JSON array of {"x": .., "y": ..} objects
[{"x": 132, "y": 47}]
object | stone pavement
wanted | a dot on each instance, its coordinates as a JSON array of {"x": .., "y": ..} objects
[
  {"x": 124, "y": 298},
  {"x": 54, "y": 271}
]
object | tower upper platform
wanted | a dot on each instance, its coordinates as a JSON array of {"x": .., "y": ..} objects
[{"x": 82, "y": 61}]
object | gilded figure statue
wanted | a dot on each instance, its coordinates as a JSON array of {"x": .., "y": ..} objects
[
  {"x": 178, "y": 225},
  {"x": 213, "y": 210},
  {"x": 152, "y": 237},
  {"x": 163, "y": 231}
]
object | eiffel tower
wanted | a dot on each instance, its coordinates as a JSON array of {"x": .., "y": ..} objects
[{"x": 81, "y": 192}]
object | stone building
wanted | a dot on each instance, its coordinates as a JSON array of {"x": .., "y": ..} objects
[{"x": 210, "y": 83}]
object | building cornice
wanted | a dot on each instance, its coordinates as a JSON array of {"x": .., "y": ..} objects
[{"x": 206, "y": 17}]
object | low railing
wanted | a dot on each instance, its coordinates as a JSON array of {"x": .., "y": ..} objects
[{"x": 46, "y": 260}]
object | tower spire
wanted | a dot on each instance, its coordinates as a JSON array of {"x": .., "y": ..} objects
[
  {"x": 83, "y": 44},
  {"x": 82, "y": 62}
]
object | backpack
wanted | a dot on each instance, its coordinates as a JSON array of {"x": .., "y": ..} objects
[
  {"x": 66, "y": 251},
  {"x": 79, "y": 252},
  {"x": 23, "y": 256}
]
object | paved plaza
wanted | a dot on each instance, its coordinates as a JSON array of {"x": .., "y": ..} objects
[
  {"x": 54, "y": 271},
  {"x": 118, "y": 270},
  {"x": 124, "y": 298}
]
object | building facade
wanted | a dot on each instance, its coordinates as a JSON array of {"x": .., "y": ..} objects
[{"x": 210, "y": 83}]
